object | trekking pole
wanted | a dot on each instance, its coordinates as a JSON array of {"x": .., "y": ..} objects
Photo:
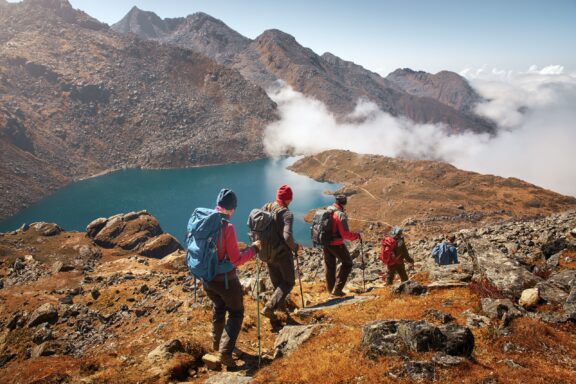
[
  {"x": 299, "y": 277},
  {"x": 363, "y": 265},
  {"x": 258, "y": 308}
]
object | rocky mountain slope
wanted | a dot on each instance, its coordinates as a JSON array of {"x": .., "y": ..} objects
[
  {"x": 339, "y": 84},
  {"x": 78, "y": 99},
  {"x": 111, "y": 305}
]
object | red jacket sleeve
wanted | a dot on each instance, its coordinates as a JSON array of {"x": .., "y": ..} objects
[
  {"x": 342, "y": 226},
  {"x": 229, "y": 245}
]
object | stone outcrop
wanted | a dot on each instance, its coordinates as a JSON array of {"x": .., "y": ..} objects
[
  {"x": 397, "y": 337},
  {"x": 134, "y": 231}
]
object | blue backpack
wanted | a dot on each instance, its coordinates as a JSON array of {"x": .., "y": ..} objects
[{"x": 203, "y": 233}]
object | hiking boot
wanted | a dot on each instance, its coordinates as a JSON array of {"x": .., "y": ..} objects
[
  {"x": 227, "y": 360},
  {"x": 338, "y": 293},
  {"x": 268, "y": 312}
]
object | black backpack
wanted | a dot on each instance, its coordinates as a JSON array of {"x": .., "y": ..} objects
[
  {"x": 264, "y": 226},
  {"x": 321, "y": 230}
]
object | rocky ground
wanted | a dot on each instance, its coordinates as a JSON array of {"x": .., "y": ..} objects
[{"x": 115, "y": 304}]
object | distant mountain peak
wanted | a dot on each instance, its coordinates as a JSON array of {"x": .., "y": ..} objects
[
  {"x": 276, "y": 35},
  {"x": 52, "y": 4}
]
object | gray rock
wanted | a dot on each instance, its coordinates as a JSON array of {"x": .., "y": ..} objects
[
  {"x": 44, "y": 349},
  {"x": 229, "y": 378},
  {"x": 41, "y": 335},
  {"x": 1, "y": 283},
  {"x": 165, "y": 351},
  {"x": 496, "y": 308},
  {"x": 95, "y": 293},
  {"x": 444, "y": 318},
  {"x": 46, "y": 313},
  {"x": 160, "y": 246},
  {"x": 410, "y": 287},
  {"x": 554, "y": 260},
  {"x": 291, "y": 337},
  {"x": 95, "y": 226},
  {"x": 556, "y": 289},
  {"x": 459, "y": 340},
  {"x": 444, "y": 360},
  {"x": 474, "y": 320},
  {"x": 419, "y": 370},
  {"x": 380, "y": 338},
  {"x": 396, "y": 337},
  {"x": 507, "y": 274},
  {"x": 421, "y": 336},
  {"x": 5, "y": 359},
  {"x": 46, "y": 229}
]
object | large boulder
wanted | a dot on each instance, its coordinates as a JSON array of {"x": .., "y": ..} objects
[
  {"x": 134, "y": 231},
  {"x": 556, "y": 289},
  {"x": 46, "y": 229},
  {"x": 496, "y": 308},
  {"x": 160, "y": 246},
  {"x": 507, "y": 274},
  {"x": 46, "y": 313},
  {"x": 291, "y": 337},
  {"x": 397, "y": 337}
]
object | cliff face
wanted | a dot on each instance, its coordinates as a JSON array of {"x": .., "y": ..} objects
[
  {"x": 77, "y": 99},
  {"x": 275, "y": 55}
]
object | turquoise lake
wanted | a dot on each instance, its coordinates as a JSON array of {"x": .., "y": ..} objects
[{"x": 171, "y": 196}]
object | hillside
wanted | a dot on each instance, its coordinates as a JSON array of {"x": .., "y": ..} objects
[
  {"x": 426, "y": 196},
  {"x": 338, "y": 83},
  {"x": 102, "y": 307},
  {"x": 78, "y": 99}
]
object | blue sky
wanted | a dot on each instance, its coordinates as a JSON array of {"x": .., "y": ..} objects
[{"x": 383, "y": 35}]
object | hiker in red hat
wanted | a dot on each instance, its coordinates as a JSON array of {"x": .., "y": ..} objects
[
  {"x": 281, "y": 265},
  {"x": 337, "y": 250}
]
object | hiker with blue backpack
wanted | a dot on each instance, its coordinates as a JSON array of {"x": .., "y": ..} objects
[
  {"x": 445, "y": 253},
  {"x": 213, "y": 256}
]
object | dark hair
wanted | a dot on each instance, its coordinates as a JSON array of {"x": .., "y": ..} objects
[{"x": 341, "y": 199}]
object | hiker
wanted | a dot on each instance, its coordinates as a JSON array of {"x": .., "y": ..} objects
[
  {"x": 445, "y": 253},
  {"x": 225, "y": 289},
  {"x": 393, "y": 254},
  {"x": 281, "y": 265},
  {"x": 336, "y": 250}
]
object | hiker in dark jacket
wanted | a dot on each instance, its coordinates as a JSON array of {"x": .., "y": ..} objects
[
  {"x": 445, "y": 253},
  {"x": 337, "y": 251},
  {"x": 281, "y": 266},
  {"x": 395, "y": 263},
  {"x": 225, "y": 290}
]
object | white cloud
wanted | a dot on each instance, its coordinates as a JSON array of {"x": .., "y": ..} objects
[{"x": 535, "y": 109}]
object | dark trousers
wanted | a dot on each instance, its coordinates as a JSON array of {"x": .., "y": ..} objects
[
  {"x": 282, "y": 275},
  {"x": 226, "y": 300},
  {"x": 396, "y": 269},
  {"x": 335, "y": 280}
]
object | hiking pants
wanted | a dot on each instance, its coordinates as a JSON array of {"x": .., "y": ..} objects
[
  {"x": 335, "y": 280},
  {"x": 282, "y": 275},
  {"x": 226, "y": 300},
  {"x": 396, "y": 269}
]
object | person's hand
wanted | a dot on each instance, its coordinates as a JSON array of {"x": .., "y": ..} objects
[
  {"x": 257, "y": 244},
  {"x": 298, "y": 249}
]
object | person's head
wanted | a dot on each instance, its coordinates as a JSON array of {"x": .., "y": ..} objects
[
  {"x": 451, "y": 238},
  {"x": 341, "y": 199},
  {"x": 284, "y": 195},
  {"x": 396, "y": 232},
  {"x": 227, "y": 200}
]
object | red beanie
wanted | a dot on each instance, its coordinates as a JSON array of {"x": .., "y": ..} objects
[{"x": 284, "y": 193}]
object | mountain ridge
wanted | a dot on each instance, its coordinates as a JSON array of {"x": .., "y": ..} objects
[{"x": 277, "y": 55}]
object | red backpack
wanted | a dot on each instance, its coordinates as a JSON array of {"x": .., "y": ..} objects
[{"x": 387, "y": 253}]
